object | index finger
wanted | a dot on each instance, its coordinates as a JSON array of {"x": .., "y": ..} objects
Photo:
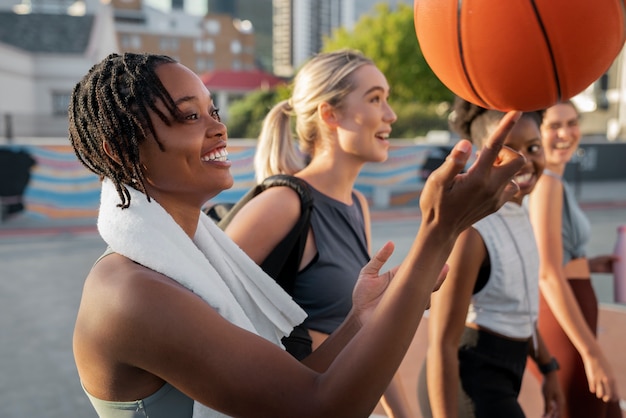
[{"x": 495, "y": 142}]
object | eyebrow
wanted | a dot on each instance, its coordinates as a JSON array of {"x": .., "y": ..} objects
[
  {"x": 186, "y": 99},
  {"x": 371, "y": 89}
]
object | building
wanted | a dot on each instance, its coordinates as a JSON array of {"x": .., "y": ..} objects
[
  {"x": 227, "y": 85},
  {"x": 48, "y": 45},
  {"x": 301, "y": 25},
  {"x": 203, "y": 43},
  {"x": 43, "y": 55},
  {"x": 259, "y": 13}
]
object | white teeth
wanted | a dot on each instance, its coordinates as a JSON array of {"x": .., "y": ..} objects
[
  {"x": 219, "y": 155},
  {"x": 383, "y": 136},
  {"x": 523, "y": 178},
  {"x": 562, "y": 145}
]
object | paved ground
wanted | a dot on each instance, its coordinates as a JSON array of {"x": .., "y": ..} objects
[{"x": 43, "y": 264}]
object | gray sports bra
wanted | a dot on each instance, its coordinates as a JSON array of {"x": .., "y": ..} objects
[{"x": 167, "y": 402}]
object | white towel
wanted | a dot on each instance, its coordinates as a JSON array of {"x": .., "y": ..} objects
[{"x": 212, "y": 266}]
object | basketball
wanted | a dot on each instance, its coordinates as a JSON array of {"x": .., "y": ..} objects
[{"x": 519, "y": 54}]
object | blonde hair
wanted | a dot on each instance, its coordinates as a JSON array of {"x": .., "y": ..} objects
[{"x": 326, "y": 78}]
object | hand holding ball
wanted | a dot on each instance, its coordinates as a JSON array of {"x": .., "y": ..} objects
[{"x": 519, "y": 54}]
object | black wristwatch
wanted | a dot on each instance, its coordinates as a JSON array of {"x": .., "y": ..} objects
[{"x": 550, "y": 366}]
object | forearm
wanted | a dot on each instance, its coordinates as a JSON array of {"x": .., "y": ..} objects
[
  {"x": 394, "y": 399},
  {"x": 325, "y": 354},
  {"x": 443, "y": 383},
  {"x": 405, "y": 298},
  {"x": 565, "y": 308}
]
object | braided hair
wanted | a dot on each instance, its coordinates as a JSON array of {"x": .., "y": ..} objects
[{"x": 112, "y": 103}]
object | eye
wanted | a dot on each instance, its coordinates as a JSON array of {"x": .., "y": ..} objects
[
  {"x": 215, "y": 114},
  {"x": 193, "y": 116},
  {"x": 534, "y": 149}
]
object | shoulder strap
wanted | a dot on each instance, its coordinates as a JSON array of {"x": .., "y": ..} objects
[{"x": 283, "y": 262}]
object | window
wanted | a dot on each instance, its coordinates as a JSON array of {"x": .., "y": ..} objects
[
  {"x": 129, "y": 41},
  {"x": 169, "y": 44},
  {"x": 204, "y": 45},
  {"x": 204, "y": 64},
  {"x": 235, "y": 47},
  {"x": 212, "y": 26},
  {"x": 60, "y": 103}
]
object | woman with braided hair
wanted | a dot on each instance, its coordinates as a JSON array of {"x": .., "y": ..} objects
[{"x": 175, "y": 320}]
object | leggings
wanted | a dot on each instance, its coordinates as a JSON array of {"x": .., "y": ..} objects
[
  {"x": 490, "y": 370},
  {"x": 579, "y": 401}
]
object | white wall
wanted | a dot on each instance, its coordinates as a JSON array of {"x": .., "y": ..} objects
[{"x": 16, "y": 75}]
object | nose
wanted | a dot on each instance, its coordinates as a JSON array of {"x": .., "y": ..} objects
[
  {"x": 216, "y": 129},
  {"x": 390, "y": 116}
]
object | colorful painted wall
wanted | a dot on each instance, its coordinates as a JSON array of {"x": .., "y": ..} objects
[{"x": 60, "y": 187}]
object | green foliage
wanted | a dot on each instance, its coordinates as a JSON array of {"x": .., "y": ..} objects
[
  {"x": 416, "y": 119},
  {"x": 388, "y": 37},
  {"x": 245, "y": 116}
]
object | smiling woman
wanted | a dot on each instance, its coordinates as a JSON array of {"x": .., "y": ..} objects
[{"x": 176, "y": 320}]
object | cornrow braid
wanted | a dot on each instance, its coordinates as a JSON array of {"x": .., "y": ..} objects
[{"x": 113, "y": 103}]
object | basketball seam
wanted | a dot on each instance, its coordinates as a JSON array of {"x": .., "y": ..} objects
[
  {"x": 461, "y": 54},
  {"x": 550, "y": 50}
]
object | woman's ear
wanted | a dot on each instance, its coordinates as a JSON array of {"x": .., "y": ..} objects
[
  {"x": 328, "y": 114},
  {"x": 110, "y": 153}
]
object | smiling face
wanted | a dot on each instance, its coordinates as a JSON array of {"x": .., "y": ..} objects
[
  {"x": 364, "y": 117},
  {"x": 193, "y": 165},
  {"x": 525, "y": 138},
  {"x": 560, "y": 133}
]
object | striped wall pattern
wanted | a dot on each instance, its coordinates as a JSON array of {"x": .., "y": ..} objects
[{"x": 60, "y": 187}]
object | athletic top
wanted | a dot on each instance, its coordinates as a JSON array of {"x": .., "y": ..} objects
[
  {"x": 324, "y": 288},
  {"x": 167, "y": 402},
  {"x": 508, "y": 303},
  {"x": 576, "y": 229}
]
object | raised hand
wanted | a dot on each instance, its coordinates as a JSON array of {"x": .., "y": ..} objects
[{"x": 460, "y": 199}]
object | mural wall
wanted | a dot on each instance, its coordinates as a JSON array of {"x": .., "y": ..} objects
[{"x": 60, "y": 187}]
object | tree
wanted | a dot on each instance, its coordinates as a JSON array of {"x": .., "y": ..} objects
[
  {"x": 388, "y": 37},
  {"x": 246, "y": 115}
]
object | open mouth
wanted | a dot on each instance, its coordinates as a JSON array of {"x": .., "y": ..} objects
[
  {"x": 523, "y": 178},
  {"x": 563, "y": 145},
  {"x": 219, "y": 154}
]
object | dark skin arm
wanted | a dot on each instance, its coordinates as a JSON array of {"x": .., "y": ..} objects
[{"x": 447, "y": 322}]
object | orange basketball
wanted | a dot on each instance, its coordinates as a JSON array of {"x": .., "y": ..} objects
[{"x": 519, "y": 54}]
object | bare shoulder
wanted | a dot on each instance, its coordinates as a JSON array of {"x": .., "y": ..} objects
[
  {"x": 125, "y": 308},
  {"x": 271, "y": 215},
  {"x": 137, "y": 329},
  {"x": 362, "y": 199}
]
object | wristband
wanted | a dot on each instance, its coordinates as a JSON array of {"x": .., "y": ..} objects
[{"x": 549, "y": 367}]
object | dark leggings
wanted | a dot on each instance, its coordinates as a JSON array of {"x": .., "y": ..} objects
[
  {"x": 580, "y": 402},
  {"x": 490, "y": 370}
]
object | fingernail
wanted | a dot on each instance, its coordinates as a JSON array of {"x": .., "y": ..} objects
[
  {"x": 518, "y": 115},
  {"x": 465, "y": 147}
]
